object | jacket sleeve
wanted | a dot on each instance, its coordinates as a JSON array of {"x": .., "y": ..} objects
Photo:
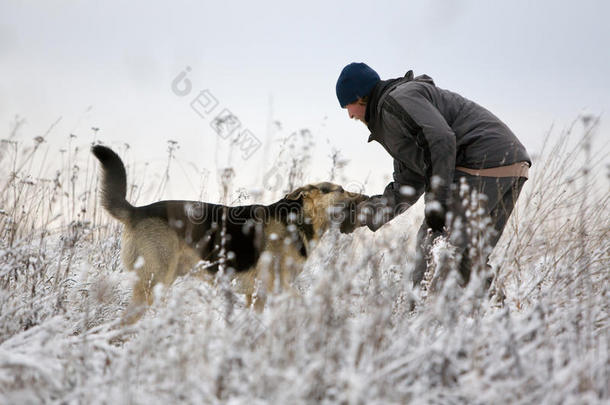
[
  {"x": 397, "y": 197},
  {"x": 432, "y": 134}
]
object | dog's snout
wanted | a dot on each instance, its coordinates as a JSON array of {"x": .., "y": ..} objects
[{"x": 358, "y": 198}]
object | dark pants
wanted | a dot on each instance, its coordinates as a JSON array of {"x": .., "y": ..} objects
[{"x": 501, "y": 193}]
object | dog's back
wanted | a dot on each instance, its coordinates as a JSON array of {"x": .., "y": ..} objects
[{"x": 217, "y": 233}]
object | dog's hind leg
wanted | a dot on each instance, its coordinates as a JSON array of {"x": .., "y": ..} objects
[
  {"x": 151, "y": 250},
  {"x": 147, "y": 269}
]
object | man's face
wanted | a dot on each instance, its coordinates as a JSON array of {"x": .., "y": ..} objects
[{"x": 357, "y": 110}]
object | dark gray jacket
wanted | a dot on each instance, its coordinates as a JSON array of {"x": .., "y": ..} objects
[{"x": 429, "y": 131}]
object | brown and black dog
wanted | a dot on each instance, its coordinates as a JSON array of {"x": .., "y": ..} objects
[{"x": 256, "y": 245}]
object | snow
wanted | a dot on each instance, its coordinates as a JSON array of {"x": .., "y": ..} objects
[
  {"x": 434, "y": 207},
  {"x": 407, "y": 191},
  {"x": 353, "y": 330}
]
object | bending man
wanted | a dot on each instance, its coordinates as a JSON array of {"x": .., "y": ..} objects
[{"x": 436, "y": 138}]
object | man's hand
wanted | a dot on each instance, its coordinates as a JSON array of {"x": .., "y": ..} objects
[{"x": 373, "y": 213}]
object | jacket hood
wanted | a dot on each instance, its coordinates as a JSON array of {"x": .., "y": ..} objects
[
  {"x": 421, "y": 78},
  {"x": 383, "y": 87}
]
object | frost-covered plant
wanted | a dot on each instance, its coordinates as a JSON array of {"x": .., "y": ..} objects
[{"x": 358, "y": 332}]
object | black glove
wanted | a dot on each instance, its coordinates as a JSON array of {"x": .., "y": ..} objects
[{"x": 435, "y": 215}]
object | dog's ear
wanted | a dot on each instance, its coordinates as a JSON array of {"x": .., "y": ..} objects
[
  {"x": 295, "y": 194},
  {"x": 298, "y": 193}
]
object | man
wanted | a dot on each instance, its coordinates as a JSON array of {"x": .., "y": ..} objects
[{"x": 438, "y": 139}]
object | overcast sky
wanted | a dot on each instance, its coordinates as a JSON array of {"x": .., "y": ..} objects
[{"x": 111, "y": 64}]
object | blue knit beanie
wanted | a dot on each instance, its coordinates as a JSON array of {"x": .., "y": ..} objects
[{"x": 355, "y": 81}]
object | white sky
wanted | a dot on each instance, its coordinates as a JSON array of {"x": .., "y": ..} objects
[{"x": 532, "y": 63}]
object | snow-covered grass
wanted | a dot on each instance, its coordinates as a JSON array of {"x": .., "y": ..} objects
[{"x": 358, "y": 332}]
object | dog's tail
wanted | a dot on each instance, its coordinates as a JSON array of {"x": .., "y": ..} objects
[{"x": 114, "y": 183}]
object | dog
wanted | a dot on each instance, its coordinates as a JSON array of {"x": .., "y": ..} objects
[{"x": 260, "y": 247}]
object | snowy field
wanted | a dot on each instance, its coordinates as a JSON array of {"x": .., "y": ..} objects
[{"x": 357, "y": 334}]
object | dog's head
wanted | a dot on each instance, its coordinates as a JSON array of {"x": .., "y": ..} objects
[{"x": 327, "y": 204}]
